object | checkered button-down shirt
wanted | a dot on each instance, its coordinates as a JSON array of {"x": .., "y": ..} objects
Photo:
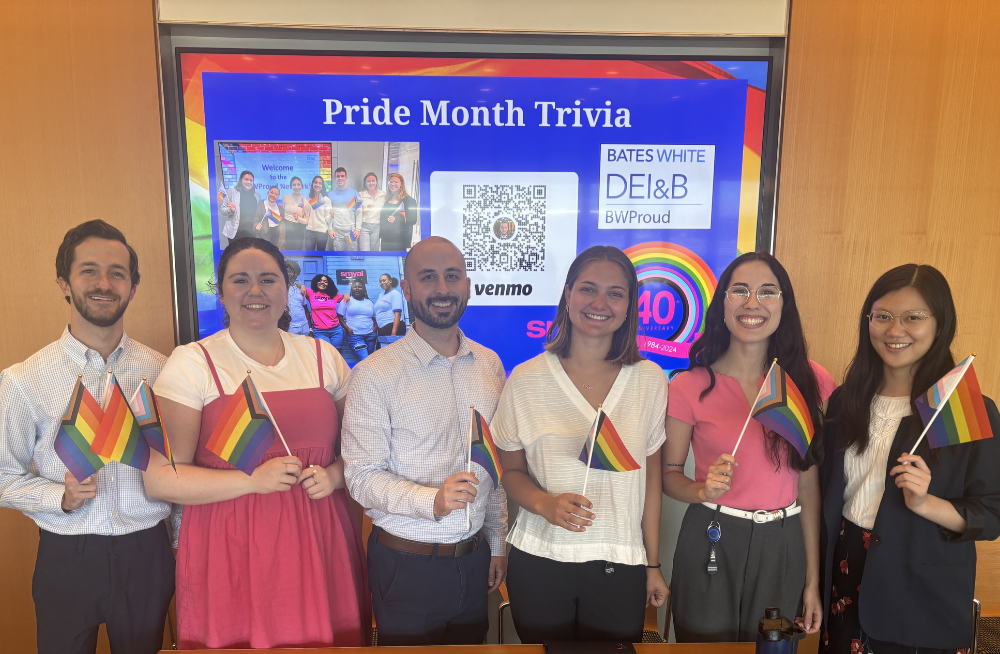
[
  {"x": 33, "y": 399},
  {"x": 406, "y": 430}
]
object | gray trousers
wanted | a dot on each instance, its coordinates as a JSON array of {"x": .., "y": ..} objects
[
  {"x": 369, "y": 237},
  {"x": 760, "y": 565},
  {"x": 341, "y": 242}
]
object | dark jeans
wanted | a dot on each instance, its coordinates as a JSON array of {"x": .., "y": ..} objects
[
  {"x": 552, "y": 600},
  {"x": 80, "y": 582},
  {"x": 428, "y": 600},
  {"x": 315, "y": 240}
]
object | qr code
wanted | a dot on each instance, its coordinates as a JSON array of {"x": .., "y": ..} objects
[{"x": 503, "y": 227}]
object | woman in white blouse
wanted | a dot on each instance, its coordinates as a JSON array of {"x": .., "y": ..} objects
[
  {"x": 584, "y": 568},
  {"x": 898, "y": 532}
]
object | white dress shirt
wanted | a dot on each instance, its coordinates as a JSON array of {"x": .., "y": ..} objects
[
  {"x": 542, "y": 412},
  {"x": 33, "y": 399},
  {"x": 865, "y": 473},
  {"x": 406, "y": 430}
]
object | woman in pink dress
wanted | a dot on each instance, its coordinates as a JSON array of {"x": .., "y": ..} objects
[{"x": 274, "y": 558}]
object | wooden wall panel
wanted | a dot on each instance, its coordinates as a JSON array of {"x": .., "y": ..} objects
[
  {"x": 80, "y": 133},
  {"x": 889, "y": 156}
]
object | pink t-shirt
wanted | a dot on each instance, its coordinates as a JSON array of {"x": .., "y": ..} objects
[
  {"x": 324, "y": 308},
  {"x": 717, "y": 422}
]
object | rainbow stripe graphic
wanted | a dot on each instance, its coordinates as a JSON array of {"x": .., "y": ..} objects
[
  {"x": 77, "y": 431},
  {"x": 316, "y": 201},
  {"x": 119, "y": 438},
  {"x": 963, "y": 416},
  {"x": 484, "y": 451},
  {"x": 245, "y": 431},
  {"x": 681, "y": 268},
  {"x": 353, "y": 203},
  {"x": 147, "y": 414},
  {"x": 781, "y": 408},
  {"x": 273, "y": 217},
  {"x": 610, "y": 452}
]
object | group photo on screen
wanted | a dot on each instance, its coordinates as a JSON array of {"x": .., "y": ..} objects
[
  {"x": 344, "y": 196},
  {"x": 352, "y": 302}
]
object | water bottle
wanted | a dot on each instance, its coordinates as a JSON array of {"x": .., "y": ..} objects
[{"x": 775, "y": 634}]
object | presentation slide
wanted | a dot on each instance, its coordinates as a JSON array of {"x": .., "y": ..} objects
[{"x": 344, "y": 162}]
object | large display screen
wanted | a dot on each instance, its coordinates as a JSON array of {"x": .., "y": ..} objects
[{"x": 522, "y": 163}]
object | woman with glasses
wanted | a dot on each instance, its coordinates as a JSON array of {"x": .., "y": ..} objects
[
  {"x": 750, "y": 537},
  {"x": 899, "y": 530}
]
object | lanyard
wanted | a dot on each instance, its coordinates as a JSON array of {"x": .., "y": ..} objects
[{"x": 714, "y": 533}]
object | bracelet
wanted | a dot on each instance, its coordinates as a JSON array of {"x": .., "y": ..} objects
[
  {"x": 658, "y": 565},
  {"x": 675, "y": 465}
]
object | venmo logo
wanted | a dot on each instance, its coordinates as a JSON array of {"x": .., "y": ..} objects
[{"x": 503, "y": 289}]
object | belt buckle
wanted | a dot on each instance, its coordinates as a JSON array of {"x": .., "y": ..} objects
[{"x": 764, "y": 516}]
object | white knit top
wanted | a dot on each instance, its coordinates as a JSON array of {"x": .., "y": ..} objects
[{"x": 865, "y": 473}]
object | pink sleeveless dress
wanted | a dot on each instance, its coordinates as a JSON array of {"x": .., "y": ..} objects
[{"x": 276, "y": 570}]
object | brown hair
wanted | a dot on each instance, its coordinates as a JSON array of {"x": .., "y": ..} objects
[
  {"x": 250, "y": 243},
  {"x": 92, "y": 229},
  {"x": 624, "y": 348}
]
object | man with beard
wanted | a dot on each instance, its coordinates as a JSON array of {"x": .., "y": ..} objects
[
  {"x": 406, "y": 444},
  {"x": 104, "y": 552}
]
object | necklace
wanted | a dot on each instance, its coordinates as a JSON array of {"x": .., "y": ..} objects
[{"x": 589, "y": 387}]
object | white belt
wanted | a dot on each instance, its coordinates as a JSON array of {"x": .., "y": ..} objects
[{"x": 760, "y": 517}]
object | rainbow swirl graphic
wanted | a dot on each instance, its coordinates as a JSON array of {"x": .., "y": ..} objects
[{"x": 686, "y": 272}]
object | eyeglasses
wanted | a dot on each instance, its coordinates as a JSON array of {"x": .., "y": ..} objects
[
  {"x": 908, "y": 319},
  {"x": 738, "y": 294}
]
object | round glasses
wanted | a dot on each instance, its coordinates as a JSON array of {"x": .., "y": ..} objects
[
  {"x": 908, "y": 319},
  {"x": 738, "y": 294}
]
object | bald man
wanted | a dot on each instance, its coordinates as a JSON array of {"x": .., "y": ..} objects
[{"x": 405, "y": 447}]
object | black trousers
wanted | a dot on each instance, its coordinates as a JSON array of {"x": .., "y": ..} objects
[
  {"x": 429, "y": 600},
  {"x": 315, "y": 240},
  {"x": 760, "y": 565},
  {"x": 80, "y": 582},
  {"x": 597, "y": 600}
]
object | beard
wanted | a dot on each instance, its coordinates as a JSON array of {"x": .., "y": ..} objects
[
  {"x": 425, "y": 313},
  {"x": 109, "y": 316}
]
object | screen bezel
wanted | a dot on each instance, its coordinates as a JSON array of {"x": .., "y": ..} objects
[{"x": 175, "y": 40}]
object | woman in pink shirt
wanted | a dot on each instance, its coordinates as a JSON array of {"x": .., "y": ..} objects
[
  {"x": 750, "y": 537},
  {"x": 323, "y": 298}
]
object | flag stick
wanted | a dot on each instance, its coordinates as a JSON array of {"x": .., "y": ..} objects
[
  {"x": 592, "y": 438},
  {"x": 274, "y": 421},
  {"x": 749, "y": 415},
  {"x": 468, "y": 466},
  {"x": 944, "y": 401}
]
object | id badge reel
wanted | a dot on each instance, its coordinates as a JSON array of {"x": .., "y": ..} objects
[{"x": 714, "y": 534}]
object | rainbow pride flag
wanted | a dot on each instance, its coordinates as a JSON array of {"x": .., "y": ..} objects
[
  {"x": 222, "y": 195},
  {"x": 962, "y": 416},
  {"x": 610, "y": 452},
  {"x": 484, "y": 451},
  {"x": 273, "y": 217},
  {"x": 316, "y": 201},
  {"x": 350, "y": 236},
  {"x": 77, "y": 431},
  {"x": 118, "y": 438},
  {"x": 353, "y": 203},
  {"x": 147, "y": 414},
  {"x": 781, "y": 408},
  {"x": 244, "y": 431}
]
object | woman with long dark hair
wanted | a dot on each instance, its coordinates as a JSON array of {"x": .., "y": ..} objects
[
  {"x": 899, "y": 530},
  {"x": 319, "y": 226},
  {"x": 389, "y": 307},
  {"x": 764, "y": 502},
  {"x": 585, "y": 567},
  {"x": 297, "y": 212},
  {"x": 323, "y": 299},
  {"x": 273, "y": 558}
]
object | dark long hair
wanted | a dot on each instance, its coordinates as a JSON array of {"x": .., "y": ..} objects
[
  {"x": 312, "y": 191},
  {"x": 331, "y": 288},
  {"x": 624, "y": 348},
  {"x": 866, "y": 372},
  {"x": 787, "y": 344},
  {"x": 251, "y": 243}
]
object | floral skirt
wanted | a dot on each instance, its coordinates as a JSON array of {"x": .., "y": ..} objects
[{"x": 843, "y": 633}]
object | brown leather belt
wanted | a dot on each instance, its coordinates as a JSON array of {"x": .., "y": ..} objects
[{"x": 416, "y": 547}]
